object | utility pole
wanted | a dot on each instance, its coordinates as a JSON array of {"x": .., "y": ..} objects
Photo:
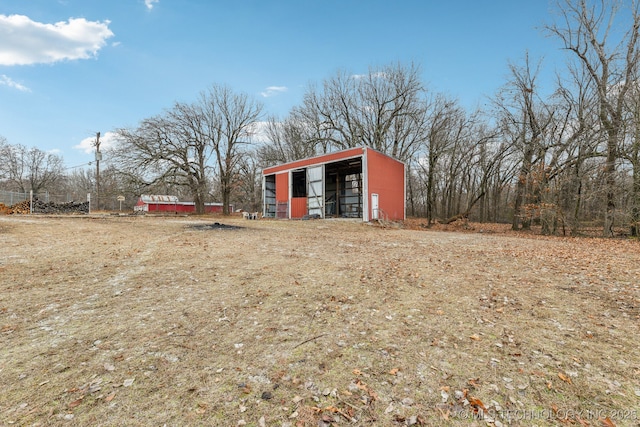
[{"x": 98, "y": 158}]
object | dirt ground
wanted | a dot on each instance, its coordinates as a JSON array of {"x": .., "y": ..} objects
[{"x": 153, "y": 321}]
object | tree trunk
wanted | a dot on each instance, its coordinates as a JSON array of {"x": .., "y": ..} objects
[
  {"x": 610, "y": 183},
  {"x": 430, "y": 189},
  {"x": 521, "y": 188},
  {"x": 226, "y": 199},
  {"x": 635, "y": 198},
  {"x": 198, "y": 200}
]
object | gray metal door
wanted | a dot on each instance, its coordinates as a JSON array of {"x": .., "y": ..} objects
[{"x": 315, "y": 193}]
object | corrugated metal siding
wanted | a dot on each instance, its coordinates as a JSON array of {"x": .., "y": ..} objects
[
  {"x": 298, "y": 207},
  {"x": 325, "y": 158},
  {"x": 386, "y": 177},
  {"x": 282, "y": 187},
  {"x": 184, "y": 207},
  {"x": 152, "y": 198}
]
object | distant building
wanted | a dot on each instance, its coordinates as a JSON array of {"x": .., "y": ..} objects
[
  {"x": 161, "y": 203},
  {"x": 354, "y": 183}
]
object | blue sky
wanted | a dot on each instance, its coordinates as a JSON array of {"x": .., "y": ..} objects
[{"x": 71, "y": 68}]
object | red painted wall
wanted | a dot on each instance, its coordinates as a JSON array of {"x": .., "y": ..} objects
[
  {"x": 282, "y": 187},
  {"x": 386, "y": 178},
  {"x": 298, "y": 207},
  {"x": 331, "y": 157}
]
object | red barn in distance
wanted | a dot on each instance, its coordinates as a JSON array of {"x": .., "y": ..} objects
[
  {"x": 353, "y": 183},
  {"x": 162, "y": 203}
]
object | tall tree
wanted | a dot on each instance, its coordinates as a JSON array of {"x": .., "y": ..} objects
[
  {"x": 383, "y": 109},
  {"x": 590, "y": 31},
  {"x": 289, "y": 140},
  {"x": 167, "y": 148},
  {"x": 445, "y": 116},
  {"x": 25, "y": 169},
  {"x": 188, "y": 143},
  {"x": 526, "y": 119},
  {"x": 631, "y": 153},
  {"x": 231, "y": 119},
  {"x": 577, "y": 133}
]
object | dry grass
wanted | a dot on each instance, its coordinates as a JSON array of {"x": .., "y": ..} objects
[{"x": 150, "y": 321}]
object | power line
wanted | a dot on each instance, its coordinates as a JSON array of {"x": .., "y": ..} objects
[{"x": 79, "y": 166}]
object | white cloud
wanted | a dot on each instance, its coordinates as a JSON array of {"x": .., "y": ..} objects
[
  {"x": 258, "y": 132},
  {"x": 88, "y": 145},
  {"x": 376, "y": 75},
  {"x": 273, "y": 90},
  {"x": 7, "y": 81},
  {"x": 149, "y": 3},
  {"x": 28, "y": 42}
]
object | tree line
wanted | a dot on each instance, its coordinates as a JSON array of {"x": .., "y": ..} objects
[{"x": 564, "y": 158}]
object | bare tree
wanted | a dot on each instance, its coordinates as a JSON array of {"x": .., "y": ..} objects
[
  {"x": 25, "y": 169},
  {"x": 167, "y": 148},
  {"x": 290, "y": 139},
  {"x": 576, "y": 135},
  {"x": 631, "y": 153},
  {"x": 588, "y": 31},
  {"x": 231, "y": 118},
  {"x": 4, "y": 157},
  {"x": 248, "y": 183},
  {"x": 188, "y": 143},
  {"x": 526, "y": 119},
  {"x": 444, "y": 116},
  {"x": 383, "y": 109}
]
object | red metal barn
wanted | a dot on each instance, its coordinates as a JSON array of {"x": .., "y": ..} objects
[
  {"x": 354, "y": 183},
  {"x": 161, "y": 203}
]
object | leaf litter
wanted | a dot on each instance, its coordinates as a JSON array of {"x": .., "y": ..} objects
[{"x": 312, "y": 323}]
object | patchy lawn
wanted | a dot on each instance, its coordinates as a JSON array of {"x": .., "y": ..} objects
[{"x": 108, "y": 320}]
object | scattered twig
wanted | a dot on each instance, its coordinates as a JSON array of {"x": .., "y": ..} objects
[{"x": 310, "y": 339}]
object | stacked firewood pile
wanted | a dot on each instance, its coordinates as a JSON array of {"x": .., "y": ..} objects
[{"x": 46, "y": 208}]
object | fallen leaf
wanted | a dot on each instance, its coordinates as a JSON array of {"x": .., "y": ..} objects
[
  {"x": 361, "y": 385},
  {"x": 477, "y": 403},
  {"x": 110, "y": 397},
  {"x": 76, "y": 402},
  {"x": 564, "y": 378},
  {"x": 394, "y": 371},
  {"x": 606, "y": 422},
  {"x": 357, "y": 372},
  {"x": 475, "y": 337}
]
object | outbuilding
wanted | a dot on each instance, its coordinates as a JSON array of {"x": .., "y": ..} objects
[
  {"x": 353, "y": 183},
  {"x": 164, "y": 203}
]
